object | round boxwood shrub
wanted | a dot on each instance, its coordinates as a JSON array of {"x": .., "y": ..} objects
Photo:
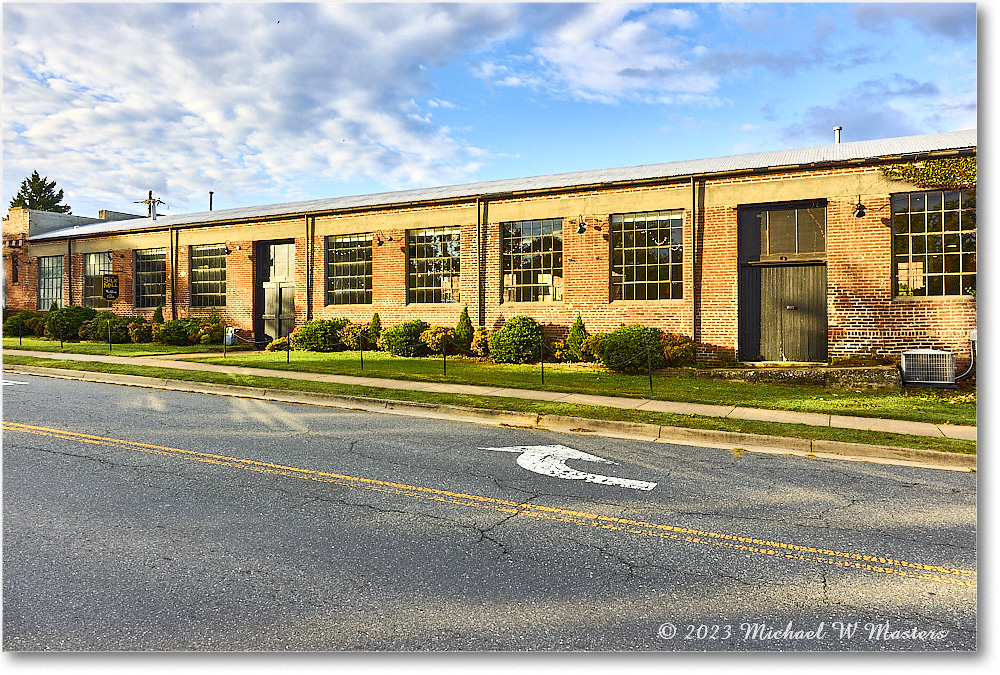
[
  {"x": 65, "y": 323},
  {"x": 319, "y": 335},
  {"x": 277, "y": 345},
  {"x": 439, "y": 340},
  {"x": 21, "y": 323},
  {"x": 403, "y": 339},
  {"x": 178, "y": 332},
  {"x": 625, "y": 349},
  {"x": 516, "y": 341}
]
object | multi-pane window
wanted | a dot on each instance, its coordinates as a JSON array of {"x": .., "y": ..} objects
[
  {"x": 532, "y": 260},
  {"x": 793, "y": 233},
  {"x": 647, "y": 255},
  {"x": 349, "y": 269},
  {"x": 150, "y": 277},
  {"x": 50, "y": 282},
  {"x": 433, "y": 261},
  {"x": 934, "y": 243},
  {"x": 95, "y": 266},
  {"x": 208, "y": 275}
]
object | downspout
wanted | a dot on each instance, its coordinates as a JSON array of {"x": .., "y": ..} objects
[
  {"x": 480, "y": 271},
  {"x": 310, "y": 226},
  {"x": 173, "y": 272},
  {"x": 69, "y": 269},
  {"x": 694, "y": 263}
]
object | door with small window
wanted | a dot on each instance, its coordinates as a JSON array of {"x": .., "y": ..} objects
[
  {"x": 275, "y": 297},
  {"x": 782, "y": 282}
]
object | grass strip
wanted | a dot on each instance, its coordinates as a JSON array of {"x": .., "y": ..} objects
[
  {"x": 917, "y": 405},
  {"x": 519, "y": 405}
]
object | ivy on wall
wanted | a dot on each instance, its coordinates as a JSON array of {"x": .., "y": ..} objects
[{"x": 950, "y": 173}]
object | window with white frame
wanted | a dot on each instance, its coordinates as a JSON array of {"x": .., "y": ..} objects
[
  {"x": 647, "y": 255},
  {"x": 934, "y": 243},
  {"x": 50, "y": 282}
]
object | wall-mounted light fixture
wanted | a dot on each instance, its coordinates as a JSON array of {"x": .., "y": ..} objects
[
  {"x": 110, "y": 255},
  {"x": 582, "y": 226},
  {"x": 859, "y": 209},
  {"x": 378, "y": 240},
  {"x": 228, "y": 250}
]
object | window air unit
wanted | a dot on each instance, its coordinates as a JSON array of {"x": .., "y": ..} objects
[{"x": 928, "y": 367}]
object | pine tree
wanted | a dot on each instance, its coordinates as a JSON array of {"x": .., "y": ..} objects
[
  {"x": 574, "y": 341},
  {"x": 463, "y": 331},
  {"x": 38, "y": 193}
]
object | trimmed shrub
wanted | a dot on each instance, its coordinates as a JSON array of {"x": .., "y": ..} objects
[
  {"x": 573, "y": 349},
  {"x": 403, "y": 339},
  {"x": 67, "y": 321},
  {"x": 319, "y": 335},
  {"x": 157, "y": 315},
  {"x": 141, "y": 333},
  {"x": 374, "y": 330},
  {"x": 352, "y": 335},
  {"x": 20, "y": 323},
  {"x": 678, "y": 350},
  {"x": 439, "y": 339},
  {"x": 481, "y": 342},
  {"x": 277, "y": 345},
  {"x": 625, "y": 349},
  {"x": 516, "y": 341},
  {"x": 179, "y": 332},
  {"x": 463, "y": 331},
  {"x": 593, "y": 347}
]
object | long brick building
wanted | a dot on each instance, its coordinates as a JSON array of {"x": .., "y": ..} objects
[{"x": 800, "y": 255}]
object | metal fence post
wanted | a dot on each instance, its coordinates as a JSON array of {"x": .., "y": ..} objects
[
  {"x": 541, "y": 360},
  {"x": 649, "y": 368}
]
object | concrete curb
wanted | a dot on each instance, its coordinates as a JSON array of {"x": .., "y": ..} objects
[{"x": 559, "y": 423}]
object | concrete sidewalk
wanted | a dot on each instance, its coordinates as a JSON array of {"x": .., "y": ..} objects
[{"x": 725, "y": 411}]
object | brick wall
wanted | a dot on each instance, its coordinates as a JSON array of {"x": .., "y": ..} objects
[{"x": 863, "y": 317}]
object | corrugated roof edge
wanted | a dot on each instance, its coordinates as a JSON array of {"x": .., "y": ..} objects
[{"x": 823, "y": 154}]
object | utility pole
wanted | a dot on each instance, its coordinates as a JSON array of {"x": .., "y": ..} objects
[{"x": 151, "y": 203}]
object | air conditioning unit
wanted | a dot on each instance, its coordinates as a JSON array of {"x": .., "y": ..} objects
[{"x": 928, "y": 367}]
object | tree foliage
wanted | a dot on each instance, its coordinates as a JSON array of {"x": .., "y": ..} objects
[
  {"x": 38, "y": 193},
  {"x": 947, "y": 173}
]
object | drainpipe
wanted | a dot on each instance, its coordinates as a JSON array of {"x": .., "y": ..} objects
[
  {"x": 310, "y": 229},
  {"x": 481, "y": 272},
  {"x": 694, "y": 261},
  {"x": 69, "y": 269},
  {"x": 173, "y": 271}
]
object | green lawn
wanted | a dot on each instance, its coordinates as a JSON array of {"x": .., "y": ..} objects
[
  {"x": 925, "y": 405},
  {"x": 922, "y": 405},
  {"x": 44, "y": 345},
  {"x": 515, "y": 404}
]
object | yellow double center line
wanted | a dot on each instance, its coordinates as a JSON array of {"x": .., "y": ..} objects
[{"x": 859, "y": 561}]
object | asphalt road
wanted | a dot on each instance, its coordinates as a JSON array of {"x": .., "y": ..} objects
[{"x": 137, "y": 519}]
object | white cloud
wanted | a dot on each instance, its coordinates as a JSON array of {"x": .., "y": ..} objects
[
  {"x": 609, "y": 52},
  {"x": 112, "y": 100}
]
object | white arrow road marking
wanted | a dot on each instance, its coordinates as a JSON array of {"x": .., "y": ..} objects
[
  {"x": 550, "y": 460},
  {"x": 6, "y": 382}
]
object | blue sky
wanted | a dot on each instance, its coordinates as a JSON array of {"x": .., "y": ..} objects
[{"x": 264, "y": 103}]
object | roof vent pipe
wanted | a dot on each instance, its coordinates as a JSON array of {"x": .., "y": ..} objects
[
  {"x": 210, "y": 193},
  {"x": 836, "y": 134}
]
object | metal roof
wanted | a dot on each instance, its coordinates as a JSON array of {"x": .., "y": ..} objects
[{"x": 797, "y": 157}]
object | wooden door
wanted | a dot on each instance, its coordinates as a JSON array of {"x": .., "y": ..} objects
[{"x": 793, "y": 322}]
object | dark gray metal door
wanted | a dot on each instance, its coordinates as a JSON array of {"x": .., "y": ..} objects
[
  {"x": 279, "y": 308},
  {"x": 275, "y": 298},
  {"x": 793, "y": 323}
]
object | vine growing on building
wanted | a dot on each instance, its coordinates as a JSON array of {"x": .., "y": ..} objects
[{"x": 950, "y": 173}]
